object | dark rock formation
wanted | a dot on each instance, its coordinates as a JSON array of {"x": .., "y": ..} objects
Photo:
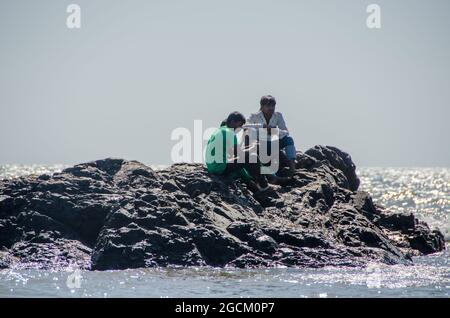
[{"x": 116, "y": 214}]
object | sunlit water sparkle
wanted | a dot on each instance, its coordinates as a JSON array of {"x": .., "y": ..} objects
[{"x": 422, "y": 191}]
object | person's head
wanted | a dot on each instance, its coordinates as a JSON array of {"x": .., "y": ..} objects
[
  {"x": 268, "y": 103},
  {"x": 235, "y": 120}
]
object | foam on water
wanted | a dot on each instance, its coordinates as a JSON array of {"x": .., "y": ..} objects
[{"x": 422, "y": 191}]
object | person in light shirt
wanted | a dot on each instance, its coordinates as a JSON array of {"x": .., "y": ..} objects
[{"x": 268, "y": 118}]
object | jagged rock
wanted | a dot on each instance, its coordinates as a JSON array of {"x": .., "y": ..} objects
[{"x": 117, "y": 214}]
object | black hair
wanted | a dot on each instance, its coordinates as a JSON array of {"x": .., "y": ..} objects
[
  {"x": 235, "y": 116},
  {"x": 267, "y": 100}
]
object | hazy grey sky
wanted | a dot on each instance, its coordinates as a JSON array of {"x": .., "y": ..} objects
[{"x": 138, "y": 69}]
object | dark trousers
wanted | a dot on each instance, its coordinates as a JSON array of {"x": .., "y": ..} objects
[{"x": 253, "y": 168}]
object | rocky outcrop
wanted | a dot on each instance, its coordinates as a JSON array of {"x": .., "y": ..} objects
[{"x": 117, "y": 214}]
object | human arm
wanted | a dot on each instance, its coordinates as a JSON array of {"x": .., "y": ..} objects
[{"x": 281, "y": 125}]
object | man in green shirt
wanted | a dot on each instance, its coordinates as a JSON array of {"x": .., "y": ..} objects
[{"x": 224, "y": 156}]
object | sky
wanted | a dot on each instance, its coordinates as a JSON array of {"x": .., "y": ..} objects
[{"x": 138, "y": 69}]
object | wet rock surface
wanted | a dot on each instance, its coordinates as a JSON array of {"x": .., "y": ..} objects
[{"x": 118, "y": 214}]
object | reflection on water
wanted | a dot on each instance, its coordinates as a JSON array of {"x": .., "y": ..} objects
[
  {"x": 429, "y": 277},
  {"x": 15, "y": 171},
  {"x": 424, "y": 192}
]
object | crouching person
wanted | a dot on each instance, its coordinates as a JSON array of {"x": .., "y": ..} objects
[{"x": 225, "y": 157}]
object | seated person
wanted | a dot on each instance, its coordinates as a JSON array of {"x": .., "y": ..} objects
[
  {"x": 268, "y": 118},
  {"x": 225, "y": 157}
]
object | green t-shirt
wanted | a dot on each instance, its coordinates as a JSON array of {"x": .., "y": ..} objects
[{"x": 220, "y": 148}]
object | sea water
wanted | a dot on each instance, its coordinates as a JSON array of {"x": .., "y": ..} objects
[{"x": 422, "y": 191}]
